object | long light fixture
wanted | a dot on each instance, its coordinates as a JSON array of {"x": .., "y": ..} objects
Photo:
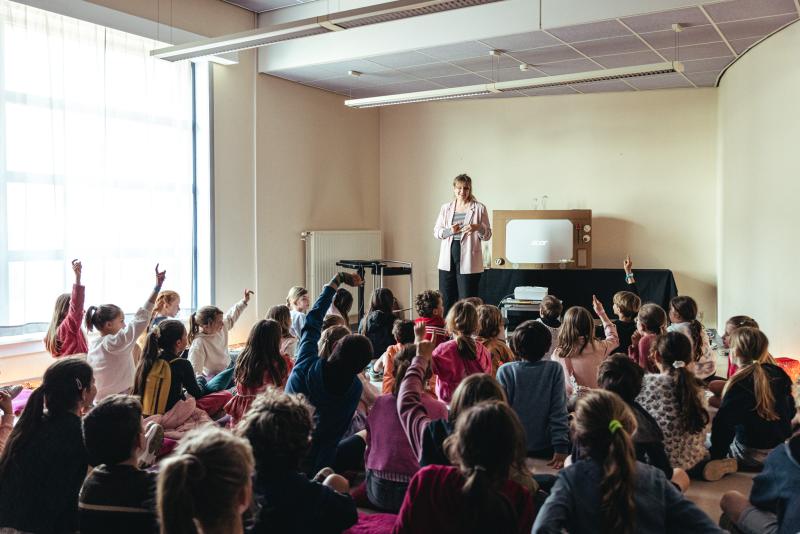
[
  {"x": 560, "y": 80},
  {"x": 343, "y": 20}
]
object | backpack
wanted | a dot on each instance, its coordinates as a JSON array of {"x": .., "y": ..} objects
[{"x": 156, "y": 389}]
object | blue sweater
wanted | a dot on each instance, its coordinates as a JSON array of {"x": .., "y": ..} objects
[
  {"x": 535, "y": 390},
  {"x": 777, "y": 487},
  {"x": 574, "y": 503},
  {"x": 332, "y": 412}
]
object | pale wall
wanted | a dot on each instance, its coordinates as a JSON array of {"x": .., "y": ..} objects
[
  {"x": 759, "y": 167},
  {"x": 643, "y": 162}
]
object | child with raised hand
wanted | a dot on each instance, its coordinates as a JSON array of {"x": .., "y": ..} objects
[
  {"x": 208, "y": 337},
  {"x": 45, "y": 461},
  {"x": 474, "y": 495},
  {"x": 117, "y": 496},
  {"x": 626, "y": 306},
  {"x": 260, "y": 365},
  {"x": 283, "y": 316},
  {"x": 683, "y": 316},
  {"x": 389, "y": 459},
  {"x": 608, "y": 490},
  {"x": 403, "y": 332},
  {"x": 535, "y": 390},
  {"x": 206, "y": 486},
  {"x": 298, "y": 302},
  {"x": 168, "y": 304},
  {"x": 111, "y": 354},
  {"x": 341, "y": 305},
  {"x": 378, "y": 323},
  {"x": 490, "y": 328},
  {"x": 550, "y": 311},
  {"x": 430, "y": 309},
  {"x": 279, "y": 426},
  {"x": 675, "y": 399},
  {"x": 331, "y": 385},
  {"x": 579, "y": 352},
  {"x": 623, "y": 376},
  {"x": 650, "y": 323},
  {"x": 757, "y": 404},
  {"x": 64, "y": 335},
  {"x": 460, "y": 357}
]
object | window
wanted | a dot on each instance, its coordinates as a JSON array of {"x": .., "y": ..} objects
[{"x": 96, "y": 162}]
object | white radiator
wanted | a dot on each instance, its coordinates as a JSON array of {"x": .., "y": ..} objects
[{"x": 324, "y": 248}]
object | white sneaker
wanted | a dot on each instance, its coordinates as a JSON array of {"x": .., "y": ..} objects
[
  {"x": 153, "y": 439},
  {"x": 13, "y": 391}
]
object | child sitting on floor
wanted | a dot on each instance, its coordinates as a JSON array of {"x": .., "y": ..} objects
[
  {"x": 279, "y": 427},
  {"x": 578, "y": 352},
  {"x": 626, "y": 306},
  {"x": 64, "y": 336},
  {"x": 490, "y": 328},
  {"x": 717, "y": 386},
  {"x": 403, "y": 332},
  {"x": 111, "y": 354},
  {"x": 283, "y": 317},
  {"x": 550, "y": 311},
  {"x": 206, "y": 486},
  {"x": 535, "y": 390},
  {"x": 117, "y": 496},
  {"x": 650, "y": 323},
  {"x": 683, "y": 315},
  {"x": 341, "y": 305},
  {"x": 168, "y": 304},
  {"x": 260, "y": 365},
  {"x": 456, "y": 359},
  {"x": 208, "y": 337},
  {"x": 377, "y": 324},
  {"x": 298, "y": 302},
  {"x": 475, "y": 494},
  {"x": 430, "y": 309},
  {"x": 608, "y": 490}
]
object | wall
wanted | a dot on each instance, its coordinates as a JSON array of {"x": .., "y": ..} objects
[
  {"x": 643, "y": 162},
  {"x": 759, "y": 169}
]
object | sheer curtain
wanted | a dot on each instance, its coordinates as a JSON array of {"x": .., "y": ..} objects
[{"x": 96, "y": 163}]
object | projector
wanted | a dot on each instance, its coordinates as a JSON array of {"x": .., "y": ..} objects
[{"x": 534, "y": 293}]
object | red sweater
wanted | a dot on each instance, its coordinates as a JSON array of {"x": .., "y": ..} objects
[
  {"x": 434, "y": 503},
  {"x": 71, "y": 339},
  {"x": 434, "y": 330}
]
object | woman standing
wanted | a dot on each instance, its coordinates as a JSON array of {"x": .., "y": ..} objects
[{"x": 462, "y": 225}]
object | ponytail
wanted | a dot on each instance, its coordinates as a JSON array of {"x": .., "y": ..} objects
[
  {"x": 202, "y": 317},
  {"x": 751, "y": 347},
  {"x": 675, "y": 351},
  {"x": 162, "y": 337},
  {"x": 97, "y": 316},
  {"x": 467, "y": 348},
  {"x": 175, "y": 503},
  {"x": 462, "y": 320},
  {"x": 696, "y": 331},
  {"x": 90, "y": 317}
]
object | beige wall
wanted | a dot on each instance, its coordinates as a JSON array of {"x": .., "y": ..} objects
[
  {"x": 759, "y": 132},
  {"x": 643, "y": 162}
]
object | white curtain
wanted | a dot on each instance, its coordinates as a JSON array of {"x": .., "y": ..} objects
[{"x": 96, "y": 163}]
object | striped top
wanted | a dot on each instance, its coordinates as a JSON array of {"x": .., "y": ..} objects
[{"x": 458, "y": 218}]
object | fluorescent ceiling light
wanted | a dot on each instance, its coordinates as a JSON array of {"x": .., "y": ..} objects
[
  {"x": 343, "y": 20},
  {"x": 518, "y": 85}
]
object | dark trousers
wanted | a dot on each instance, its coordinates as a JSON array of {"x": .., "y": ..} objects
[{"x": 453, "y": 285}]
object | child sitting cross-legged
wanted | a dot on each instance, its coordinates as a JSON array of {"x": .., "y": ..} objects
[
  {"x": 117, "y": 496},
  {"x": 535, "y": 390},
  {"x": 278, "y": 426},
  {"x": 378, "y": 322},
  {"x": 490, "y": 327},
  {"x": 389, "y": 458},
  {"x": 283, "y": 316}
]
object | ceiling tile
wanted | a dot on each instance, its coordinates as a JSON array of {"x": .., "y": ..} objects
[
  {"x": 460, "y": 80},
  {"x": 593, "y": 30},
  {"x": 629, "y": 60},
  {"x": 457, "y": 51},
  {"x": 702, "y": 51},
  {"x": 403, "y": 59},
  {"x": 702, "y": 65},
  {"x": 616, "y": 45},
  {"x": 748, "y": 9},
  {"x": 690, "y": 16},
  {"x": 521, "y": 41},
  {"x": 568, "y": 67},
  {"x": 485, "y": 63},
  {"x": 507, "y": 75},
  {"x": 689, "y": 36},
  {"x": 306, "y": 74},
  {"x": 366, "y": 92},
  {"x": 545, "y": 91},
  {"x": 344, "y": 84},
  {"x": 547, "y": 55},
  {"x": 387, "y": 77},
  {"x": 662, "y": 81},
  {"x": 740, "y": 45},
  {"x": 360, "y": 65},
  {"x": 704, "y": 79},
  {"x": 608, "y": 86},
  {"x": 756, "y": 27},
  {"x": 434, "y": 70}
]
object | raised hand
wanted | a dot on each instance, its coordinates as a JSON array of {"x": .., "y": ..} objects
[
  {"x": 247, "y": 295},
  {"x": 77, "y": 268},
  {"x": 419, "y": 332},
  {"x": 160, "y": 276},
  {"x": 598, "y": 307},
  {"x": 627, "y": 264},
  {"x": 351, "y": 279},
  {"x": 425, "y": 350},
  {"x": 5, "y": 402}
]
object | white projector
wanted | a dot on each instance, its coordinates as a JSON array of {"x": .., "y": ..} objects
[{"x": 534, "y": 293}]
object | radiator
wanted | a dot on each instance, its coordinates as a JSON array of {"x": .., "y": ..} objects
[{"x": 324, "y": 248}]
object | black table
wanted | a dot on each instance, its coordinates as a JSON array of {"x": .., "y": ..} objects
[{"x": 576, "y": 287}]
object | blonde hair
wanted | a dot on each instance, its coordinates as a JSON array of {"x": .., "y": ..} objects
[
  {"x": 295, "y": 292},
  {"x": 203, "y": 481},
  {"x": 462, "y": 321},
  {"x": 466, "y": 180},
  {"x": 627, "y": 303},
  {"x": 750, "y": 346},
  {"x": 578, "y": 326},
  {"x": 490, "y": 321},
  {"x": 283, "y": 316},
  {"x": 60, "y": 311},
  {"x": 165, "y": 298}
]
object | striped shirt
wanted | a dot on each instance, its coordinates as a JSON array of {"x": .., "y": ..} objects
[{"x": 458, "y": 218}]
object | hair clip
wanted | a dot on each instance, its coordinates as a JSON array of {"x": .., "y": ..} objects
[
  {"x": 78, "y": 381},
  {"x": 678, "y": 364}
]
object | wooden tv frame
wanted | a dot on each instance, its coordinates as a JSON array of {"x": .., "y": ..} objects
[{"x": 581, "y": 249}]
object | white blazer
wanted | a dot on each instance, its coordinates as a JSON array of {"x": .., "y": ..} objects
[{"x": 471, "y": 252}]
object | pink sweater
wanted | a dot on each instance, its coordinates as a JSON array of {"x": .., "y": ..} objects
[
  {"x": 583, "y": 367},
  {"x": 71, "y": 339},
  {"x": 450, "y": 368},
  {"x": 388, "y": 448}
]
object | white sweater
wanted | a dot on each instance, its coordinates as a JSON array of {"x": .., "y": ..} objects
[
  {"x": 208, "y": 353},
  {"x": 111, "y": 356}
]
